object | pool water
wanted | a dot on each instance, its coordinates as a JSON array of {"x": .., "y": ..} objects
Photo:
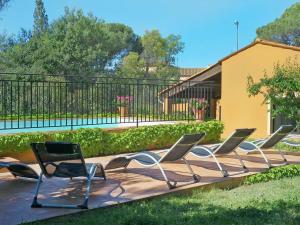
[{"x": 7, "y": 127}]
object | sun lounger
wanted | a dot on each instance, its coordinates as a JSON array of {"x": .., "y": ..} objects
[
  {"x": 268, "y": 143},
  {"x": 150, "y": 159},
  {"x": 20, "y": 170},
  {"x": 228, "y": 146},
  {"x": 64, "y": 160}
]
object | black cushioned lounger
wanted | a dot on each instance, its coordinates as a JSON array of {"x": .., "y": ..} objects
[
  {"x": 20, "y": 170},
  {"x": 64, "y": 160}
]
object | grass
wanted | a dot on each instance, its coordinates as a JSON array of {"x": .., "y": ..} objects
[
  {"x": 274, "y": 202},
  {"x": 288, "y": 148},
  {"x": 58, "y": 116}
]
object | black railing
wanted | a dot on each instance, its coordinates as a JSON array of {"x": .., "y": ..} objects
[{"x": 39, "y": 101}]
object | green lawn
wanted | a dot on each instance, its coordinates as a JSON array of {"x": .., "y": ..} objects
[
  {"x": 274, "y": 202},
  {"x": 287, "y": 148}
]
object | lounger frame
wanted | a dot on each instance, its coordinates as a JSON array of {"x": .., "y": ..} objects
[
  {"x": 212, "y": 151},
  {"x": 158, "y": 162},
  {"x": 89, "y": 176},
  {"x": 258, "y": 145}
]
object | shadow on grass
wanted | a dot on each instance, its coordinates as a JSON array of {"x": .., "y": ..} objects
[{"x": 166, "y": 212}]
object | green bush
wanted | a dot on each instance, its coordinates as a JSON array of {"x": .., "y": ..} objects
[
  {"x": 274, "y": 174},
  {"x": 98, "y": 142},
  {"x": 285, "y": 147}
]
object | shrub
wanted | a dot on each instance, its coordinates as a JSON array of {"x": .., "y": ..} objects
[
  {"x": 274, "y": 174},
  {"x": 98, "y": 142},
  {"x": 288, "y": 148}
]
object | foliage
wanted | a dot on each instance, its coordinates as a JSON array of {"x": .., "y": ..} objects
[
  {"x": 274, "y": 174},
  {"x": 281, "y": 90},
  {"x": 75, "y": 44},
  {"x": 175, "y": 116},
  {"x": 199, "y": 104},
  {"x": 124, "y": 100},
  {"x": 132, "y": 66},
  {"x": 84, "y": 46},
  {"x": 288, "y": 148},
  {"x": 157, "y": 59},
  {"x": 98, "y": 142},
  {"x": 275, "y": 202},
  {"x": 40, "y": 18},
  {"x": 285, "y": 30}
]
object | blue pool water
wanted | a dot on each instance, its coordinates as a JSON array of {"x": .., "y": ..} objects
[{"x": 7, "y": 127}]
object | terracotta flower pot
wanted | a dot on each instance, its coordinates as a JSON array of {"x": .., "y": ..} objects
[
  {"x": 199, "y": 114},
  {"x": 123, "y": 110}
]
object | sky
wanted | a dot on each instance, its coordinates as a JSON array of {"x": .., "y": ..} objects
[{"x": 205, "y": 26}]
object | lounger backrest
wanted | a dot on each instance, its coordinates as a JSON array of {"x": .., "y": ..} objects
[
  {"x": 277, "y": 136},
  {"x": 60, "y": 159},
  {"x": 182, "y": 146},
  {"x": 234, "y": 140}
]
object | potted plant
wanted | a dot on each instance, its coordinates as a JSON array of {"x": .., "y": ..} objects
[
  {"x": 199, "y": 108},
  {"x": 123, "y": 103}
]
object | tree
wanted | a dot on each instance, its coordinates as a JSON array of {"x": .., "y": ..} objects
[
  {"x": 282, "y": 90},
  {"x": 157, "y": 58},
  {"x": 132, "y": 66},
  {"x": 74, "y": 44},
  {"x": 40, "y": 18},
  {"x": 285, "y": 30}
]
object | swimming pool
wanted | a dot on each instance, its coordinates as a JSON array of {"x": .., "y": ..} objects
[
  {"x": 15, "y": 126},
  {"x": 22, "y": 126}
]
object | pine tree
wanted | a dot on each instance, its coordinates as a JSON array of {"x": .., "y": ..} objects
[
  {"x": 285, "y": 29},
  {"x": 40, "y": 18}
]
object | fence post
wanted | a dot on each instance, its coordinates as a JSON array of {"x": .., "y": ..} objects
[
  {"x": 72, "y": 89},
  {"x": 137, "y": 103},
  {"x": 189, "y": 100}
]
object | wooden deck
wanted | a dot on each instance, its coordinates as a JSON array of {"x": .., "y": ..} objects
[{"x": 121, "y": 186}]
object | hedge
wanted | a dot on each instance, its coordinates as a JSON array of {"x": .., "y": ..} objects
[
  {"x": 288, "y": 148},
  {"x": 99, "y": 142},
  {"x": 274, "y": 174}
]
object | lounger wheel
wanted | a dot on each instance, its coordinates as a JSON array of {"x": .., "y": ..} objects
[
  {"x": 225, "y": 173},
  {"x": 171, "y": 186},
  {"x": 35, "y": 203},
  {"x": 196, "y": 178},
  {"x": 84, "y": 205},
  {"x": 246, "y": 170}
]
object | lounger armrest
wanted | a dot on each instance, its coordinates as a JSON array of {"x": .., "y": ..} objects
[
  {"x": 257, "y": 142},
  {"x": 215, "y": 145}
]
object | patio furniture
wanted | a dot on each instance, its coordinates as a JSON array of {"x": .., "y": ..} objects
[
  {"x": 267, "y": 143},
  {"x": 228, "y": 146},
  {"x": 150, "y": 159},
  {"x": 20, "y": 170},
  {"x": 64, "y": 160}
]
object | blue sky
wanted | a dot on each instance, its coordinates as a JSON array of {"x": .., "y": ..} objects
[{"x": 206, "y": 26}]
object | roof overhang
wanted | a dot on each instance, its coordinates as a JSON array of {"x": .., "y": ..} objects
[
  {"x": 216, "y": 68},
  {"x": 198, "y": 78}
]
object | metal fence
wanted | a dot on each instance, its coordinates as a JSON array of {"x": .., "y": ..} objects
[{"x": 38, "y": 101}]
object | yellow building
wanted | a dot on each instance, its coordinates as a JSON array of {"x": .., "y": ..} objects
[{"x": 230, "y": 101}]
